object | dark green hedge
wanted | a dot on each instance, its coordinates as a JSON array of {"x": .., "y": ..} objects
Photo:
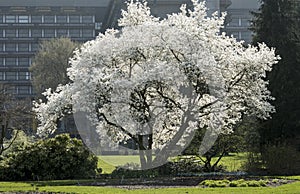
[{"x": 61, "y": 157}]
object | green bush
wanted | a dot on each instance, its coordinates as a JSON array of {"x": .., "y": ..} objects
[
  {"x": 187, "y": 164},
  {"x": 234, "y": 183},
  {"x": 130, "y": 170},
  {"x": 179, "y": 166},
  {"x": 56, "y": 158},
  {"x": 281, "y": 159}
]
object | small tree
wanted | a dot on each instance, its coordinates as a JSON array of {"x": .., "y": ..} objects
[
  {"x": 15, "y": 115},
  {"x": 155, "y": 81},
  {"x": 49, "y": 67},
  {"x": 224, "y": 144}
]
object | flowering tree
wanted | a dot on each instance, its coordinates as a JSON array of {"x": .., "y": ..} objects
[{"x": 155, "y": 81}]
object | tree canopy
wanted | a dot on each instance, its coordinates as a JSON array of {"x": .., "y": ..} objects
[
  {"x": 49, "y": 67},
  {"x": 277, "y": 25},
  {"x": 156, "y": 81}
]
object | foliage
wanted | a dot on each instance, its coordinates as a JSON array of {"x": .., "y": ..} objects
[
  {"x": 49, "y": 67},
  {"x": 55, "y": 158},
  {"x": 132, "y": 171},
  {"x": 277, "y": 25},
  {"x": 186, "y": 164},
  {"x": 235, "y": 183},
  {"x": 15, "y": 116},
  {"x": 224, "y": 144},
  {"x": 155, "y": 81},
  {"x": 281, "y": 159},
  {"x": 21, "y": 141},
  {"x": 175, "y": 167},
  {"x": 63, "y": 187}
]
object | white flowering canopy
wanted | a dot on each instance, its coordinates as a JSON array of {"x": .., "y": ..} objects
[{"x": 163, "y": 78}]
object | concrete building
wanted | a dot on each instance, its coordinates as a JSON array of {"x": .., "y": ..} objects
[
  {"x": 23, "y": 24},
  {"x": 159, "y": 8},
  {"x": 238, "y": 18}
]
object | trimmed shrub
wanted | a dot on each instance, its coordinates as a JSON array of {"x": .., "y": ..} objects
[
  {"x": 234, "y": 183},
  {"x": 61, "y": 157}
]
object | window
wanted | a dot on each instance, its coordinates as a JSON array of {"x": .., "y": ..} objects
[
  {"x": 245, "y": 22},
  {"x": 11, "y": 75},
  {"x": 36, "y": 33},
  {"x": 23, "y": 47},
  {"x": 1, "y": 33},
  {"x": 1, "y": 61},
  {"x": 234, "y": 22},
  {"x": 74, "y": 19},
  {"x": 236, "y": 35},
  {"x": 49, "y": 19},
  {"x": 87, "y": 19},
  {"x": 10, "y": 33},
  {"x": 2, "y": 76},
  {"x": 10, "y": 62},
  {"x": 23, "y": 33},
  {"x": 11, "y": 89},
  {"x": 74, "y": 33},
  {"x": 62, "y": 32},
  {"x": 49, "y": 33},
  {"x": 34, "y": 47},
  {"x": 24, "y": 90},
  {"x": 23, "y": 75},
  {"x": 61, "y": 19},
  {"x": 23, "y": 19},
  {"x": 87, "y": 33},
  {"x": 1, "y": 19},
  {"x": 10, "y": 19},
  {"x": 10, "y": 47},
  {"x": 1, "y": 47},
  {"x": 98, "y": 26},
  {"x": 25, "y": 62},
  {"x": 247, "y": 35},
  {"x": 36, "y": 19}
]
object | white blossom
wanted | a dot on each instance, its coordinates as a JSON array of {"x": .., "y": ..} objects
[{"x": 155, "y": 76}]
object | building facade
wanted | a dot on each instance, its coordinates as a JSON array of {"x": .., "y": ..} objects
[
  {"x": 24, "y": 24},
  {"x": 159, "y": 8},
  {"x": 238, "y": 18}
]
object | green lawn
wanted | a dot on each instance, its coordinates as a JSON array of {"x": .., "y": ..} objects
[
  {"x": 109, "y": 163},
  {"x": 233, "y": 162},
  {"x": 57, "y": 186}
]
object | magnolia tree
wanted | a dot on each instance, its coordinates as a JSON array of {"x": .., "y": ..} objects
[{"x": 157, "y": 80}]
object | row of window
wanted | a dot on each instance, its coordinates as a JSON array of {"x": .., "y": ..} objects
[
  {"x": 60, "y": 19},
  {"x": 14, "y": 62},
  {"x": 15, "y": 76},
  {"x": 239, "y": 22},
  {"x": 21, "y": 90},
  {"x": 18, "y": 47},
  {"x": 46, "y": 33},
  {"x": 245, "y": 35}
]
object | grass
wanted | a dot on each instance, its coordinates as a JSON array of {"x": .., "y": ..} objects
[
  {"x": 233, "y": 162},
  {"x": 64, "y": 187},
  {"x": 109, "y": 163}
]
